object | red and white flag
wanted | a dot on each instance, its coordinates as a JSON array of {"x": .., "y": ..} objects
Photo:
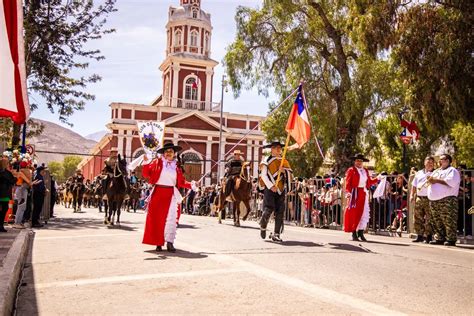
[
  {"x": 298, "y": 122},
  {"x": 13, "y": 97}
]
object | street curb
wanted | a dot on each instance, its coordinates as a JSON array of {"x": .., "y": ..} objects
[{"x": 11, "y": 271}]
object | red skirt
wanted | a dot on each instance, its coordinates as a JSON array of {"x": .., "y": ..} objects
[
  {"x": 158, "y": 208},
  {"x": 354, "y": 210}
]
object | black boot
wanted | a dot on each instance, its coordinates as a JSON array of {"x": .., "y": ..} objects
[
  {"x": 354, "y": 236},
  {"x": 419, "y": 238},
  {"x": 360, "y": 234},
  {"x": 158, "y": 248},
  {"x": 170, "y": 247},
  {"x": 263, "y": 233}
]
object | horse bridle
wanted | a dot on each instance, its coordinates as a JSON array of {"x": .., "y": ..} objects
[{"x": 242, "y": 175}]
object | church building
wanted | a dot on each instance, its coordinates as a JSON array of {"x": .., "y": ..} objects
[{"x": 185, "y": 105}]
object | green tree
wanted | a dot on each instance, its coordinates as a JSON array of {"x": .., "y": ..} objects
[
  {"x": 70, "y": 164},
  {"x": 463, "y": 135},
  {"x": 57, "y": 170},
  {"x": 430, "y": 45},
  {"x": 285, "y": 41}
]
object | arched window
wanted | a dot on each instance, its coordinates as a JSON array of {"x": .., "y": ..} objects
[
  {"x": 191, "y": 89},
  {"x": 194, "y": 38},
  {"x": 195, "y": 13},
  {"x": 190, "y": 157},
  {"x": 177, "y": 38},
  {"x": 207, "y": 43}
]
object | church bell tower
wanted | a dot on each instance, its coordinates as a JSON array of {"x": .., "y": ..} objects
[{"x": 188, "y": 69}]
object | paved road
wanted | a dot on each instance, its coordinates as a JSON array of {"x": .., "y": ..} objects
[{"x": 79, "y": 266}]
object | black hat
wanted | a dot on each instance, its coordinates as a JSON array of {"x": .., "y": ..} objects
[
  {"x": 169, "y": 146},
  {"x": 40, "y": 168},
  {"x": 361, "y": 157},
  {"x": 274, "y": 143}
]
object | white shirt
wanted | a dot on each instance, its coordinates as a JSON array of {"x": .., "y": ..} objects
[
  {"x": 168, "y": 174},
  {"x": 420, "y": 180},
  {"x": 362, "y": 178},
  {"x": 438, "y": 191}
]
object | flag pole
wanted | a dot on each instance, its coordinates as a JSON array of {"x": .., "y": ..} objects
[{"x": 282, "y": 159}]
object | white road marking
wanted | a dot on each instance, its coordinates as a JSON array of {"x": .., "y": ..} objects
[
  {"x": 316, "y": 291},
  {"x": 136, "y": 277},
  {"x": 83, "y": 236}
]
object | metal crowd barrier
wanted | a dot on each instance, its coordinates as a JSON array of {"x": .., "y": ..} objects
[{"x": 325, "y": 204}]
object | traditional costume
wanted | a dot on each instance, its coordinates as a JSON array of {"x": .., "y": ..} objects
[
  {"x": 356, "y": 215},
  {"x": 274, "y": 201},
  {"x": 166, "y": 177}
]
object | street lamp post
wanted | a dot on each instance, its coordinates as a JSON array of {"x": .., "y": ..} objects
[{"x": 224, "y": 84}]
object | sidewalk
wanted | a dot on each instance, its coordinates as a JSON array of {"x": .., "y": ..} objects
[{"x": 13, "y": 252}]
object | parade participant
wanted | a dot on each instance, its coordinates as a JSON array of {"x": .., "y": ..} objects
[
  {"x": 109, "y": 165},
  {"x": 78, "y": 178},
  {"x": 274, "y": 193},
  {"x": 358, "y": 182},
  {"x": 232, "y": 170},
  {"x": 442, "y": 192},
  {"x": 7, "y": 180},
  {"x": 39, "y": 193},
  {"x": 419, "y": 194},
  {"x": 167, "y": 177}
]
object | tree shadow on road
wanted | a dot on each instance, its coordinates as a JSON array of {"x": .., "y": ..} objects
[{"x": 178, "y": 254}]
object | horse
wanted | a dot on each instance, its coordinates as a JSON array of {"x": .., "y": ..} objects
[
  {"x": 115, "y": 191},
  {"x": 241, "y": 192},
  {"x": 134, "y": 197},
  {"x": 77, "y": 190},
  {"x": 67, "y": 196}
]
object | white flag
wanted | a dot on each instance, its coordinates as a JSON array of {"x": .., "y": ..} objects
[
  {"x": 380, "y": 190},
  {"x": 151, "y": 135}
]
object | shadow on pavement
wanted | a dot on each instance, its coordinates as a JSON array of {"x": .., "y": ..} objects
[
  {"x": 179, "y": 254},
  {"x": 68, "y": 223},
  {"x": 186, "y": 226},
  {"x": 387, "y": 243},
  {"x": 349, "y": 247},
  {"x": 122, "y": 227},
  {"x": 26, "y": 302},
  {"x": 295, "y": 243}
]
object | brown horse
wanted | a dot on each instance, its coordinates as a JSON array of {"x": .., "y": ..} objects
[
  {"x": 241, "y": 192},
  {"x": 115, "y": 191}
]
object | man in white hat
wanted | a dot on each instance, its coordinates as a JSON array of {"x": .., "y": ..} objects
[{"x": 232, "y": 169}]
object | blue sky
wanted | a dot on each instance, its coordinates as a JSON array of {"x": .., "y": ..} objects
[{"x": 134, "y": 52}]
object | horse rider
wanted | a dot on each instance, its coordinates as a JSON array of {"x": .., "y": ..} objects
[
  {"x": 78, "y": 181},
  {"x": 273, "y": 192},
  {"x": 78, "y": 178},
  {"x": 233, "y": 168}
]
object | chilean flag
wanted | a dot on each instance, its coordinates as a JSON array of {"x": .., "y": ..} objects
[
  {"x": 298, "y": 123},
  {"x": 13, "y": 97}
]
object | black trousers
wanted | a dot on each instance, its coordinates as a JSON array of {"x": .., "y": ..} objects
[
  {"x": 38, "y": 200},
  {"x": 3, "y": 212},
  {"x": 273, "y": 203}
]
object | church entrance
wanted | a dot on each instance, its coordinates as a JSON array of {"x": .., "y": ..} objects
[{"x": 192, "y": 166}]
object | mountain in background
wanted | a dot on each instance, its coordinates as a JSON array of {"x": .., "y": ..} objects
[
  {"x": 96, "y": 136},
  {"x": 56, "y": 142}
]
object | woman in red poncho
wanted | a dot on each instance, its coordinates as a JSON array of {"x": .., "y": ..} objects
[
  {"x": 166, "y": 176},
  {"x": 358, "y": 182}
]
